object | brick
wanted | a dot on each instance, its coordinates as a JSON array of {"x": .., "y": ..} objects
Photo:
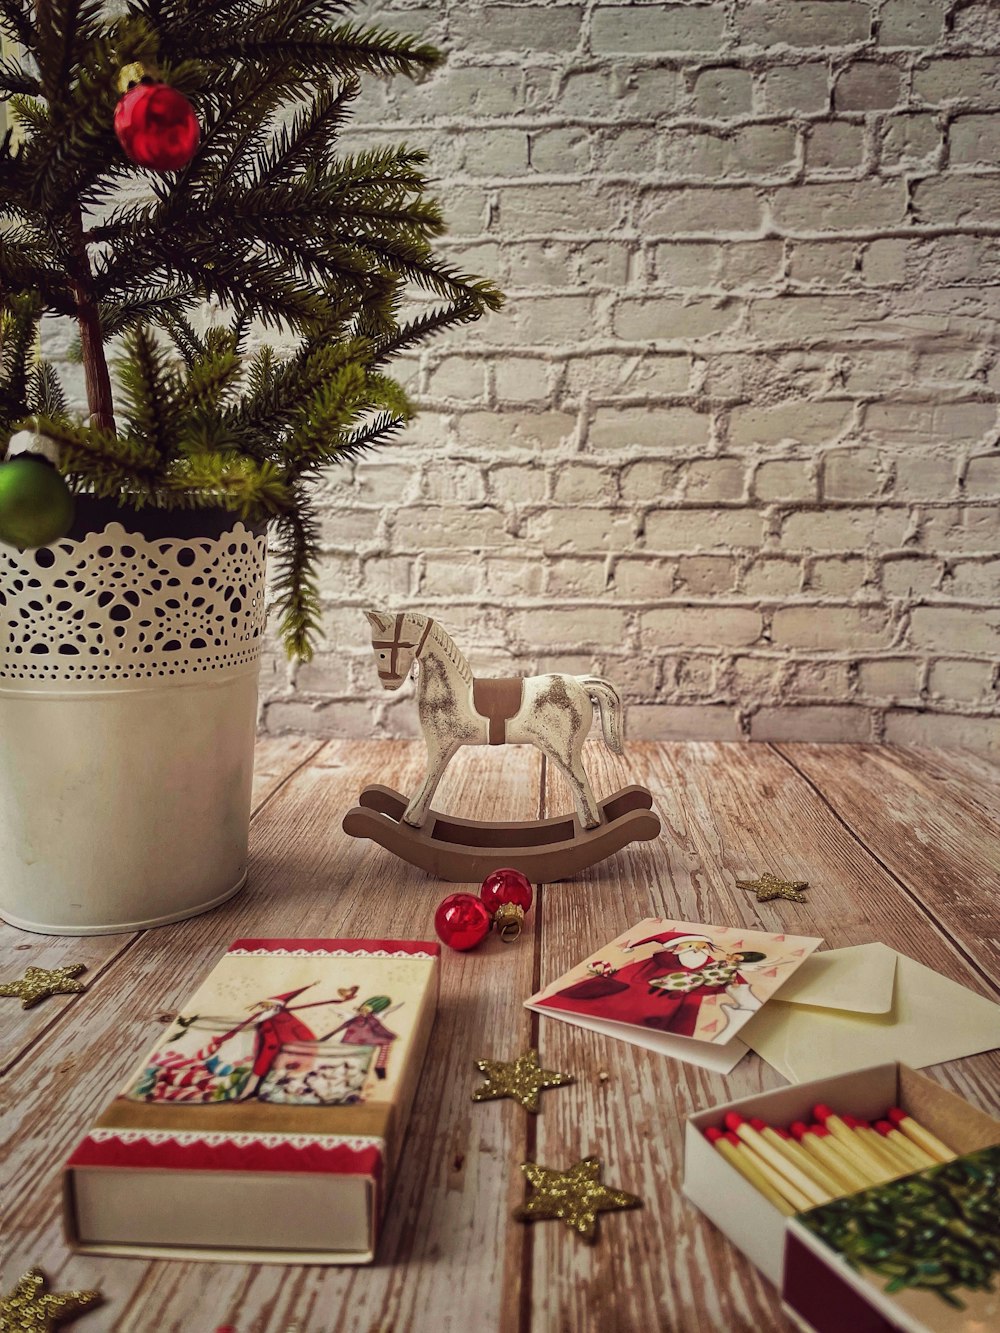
[
  {"x": 942, "y": 627},
  {"x": 803, "y": 22},
  {"x": 517, "y": 483},
  {"x": 537, "y": 264},
  {"x": 347, "y": 529},
  {"x": 797, "y": 88},
  {"x": 958, "y": 679},
  {"x": 601, "y": 263},
  {"x": 756, "y": 676},
  {"x": 755, "y": 150},
  {"x": 822, "y": 680},
  {"x": 646, "y": 94},
  {"x": 347, "y": 718},
  {"x": 802, "y": 319},
  {"x": 562, "y": 151},
  {"x": 643, "y": 578},
  {"x": 914, "y": 576},
  {"x": 811, "y": 723},
  {"x": 450, "y": 576},
  {"x": 612, "y": 428},
  {"x": 571, "y": 578},
  {"x": 957, "y": 198},
  {"x": 651, "y": 480},
  {"x": 458, "y": 529},
  {"x": 910, "y": 139},
  {"x": 607, "y": 376},
  {"x": 974, "y": 79},
  {"x": 494, "y": 153},
  {"x": 704, "y": 575},
  {"x": 694, "y": 676},
  {"x": 972, "y": 579},
  {"x": 581, "y": 530},
  {"x": 513, "y": 577},
  {"x": 384, "y": 483},
  {"x": 449, "y": 482},
  {"x": 672, "y": 209},
  {"x": 925, "y": 477},
  {"x": 708, "y": 479},
  {"x": 784, "y": 479},
  {"x": 458, "y": 377},
  {"x": 386, "y": 576},
  {"x": 703, "y": 529},
  {"x": 983, "y": 476},
  {"x": 840, "y": 204},
  {"x": 788, "y": 423},
  {"x": 681, "y": 722},
  {"x": 974, "y": 139},
  {"x": 852, "y": 474},
  {"x": 630, "y": 151},
  {"x": 889, "y": 678},
  {"x": 929, "y": 423},
  {"x": 723, "y": 92},
  {"x": 844, "y": 529},
  {"x": 455, "y": 92},
  {"x": 910, "y": 22},
  {"x": 837, "y": 576},
  {"x": 867, "y": 86},
  {"x": 700, "y": 626},
  {"x": 640, "y": 318},
  {"x": 495, "y": 28},
  {"x": 824, "y": 263},
  {"x": 965, "y": 530},
  {"x": 948, "y": 730},
  {"x": 647, "y": 28},
  {"x": 883, "y": 263},
  {"x": 771, "y": 577},
  {"x": 975, "y": 21},
  {"x": 522, "y": 379},
  {"x": 578, "y": 483},
  {"x": 835, "y": 145},
  {"x": 698, "y": 265},
  {"x": 569, "y": 627},
  {"x": 553, "y": 208},
  {"x": 846, "y": 628},
  {"x": 497, "y": 430},
  {"x": 586, "y": 93}
]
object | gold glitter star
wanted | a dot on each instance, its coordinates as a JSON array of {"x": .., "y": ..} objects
[
  {"x": 521, "y": 1079},
  {"x": 768, "y": 886},
  {"x": 38, "y": 983},
  {"x": 576, "y": 1196},
  {"x": 31, "y": 1309}
]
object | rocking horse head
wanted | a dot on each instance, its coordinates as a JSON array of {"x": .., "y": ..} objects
[{"x": 396, "y": 642}]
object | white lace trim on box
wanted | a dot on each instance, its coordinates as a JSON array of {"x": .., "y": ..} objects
[
  {"x": 326, "y": 953},
  {"x": 183, "y": 1138},
  {"x": 119, "y": 606}
]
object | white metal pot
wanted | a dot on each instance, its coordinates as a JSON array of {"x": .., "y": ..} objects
[{"x": 129, "y": 655}]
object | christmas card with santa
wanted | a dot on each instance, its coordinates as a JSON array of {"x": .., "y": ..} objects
[
  {"x": 678, "y": 987},
  {"x": 266, "y": 1122}
]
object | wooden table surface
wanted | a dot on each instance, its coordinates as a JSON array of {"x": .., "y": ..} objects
[{"x": 898, "y": 845}]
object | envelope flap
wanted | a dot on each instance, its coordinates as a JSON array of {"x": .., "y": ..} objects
[{"x": 859, "y": 980}]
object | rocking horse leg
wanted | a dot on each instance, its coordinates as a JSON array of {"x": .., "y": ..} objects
[
  {"x": 576, "y": 775},
  {"x": 437, "y": 761}
]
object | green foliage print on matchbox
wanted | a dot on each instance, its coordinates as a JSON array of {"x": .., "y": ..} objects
[
  {"x": 936, "y": 1232},
  {"x": 287, "y": 236}
]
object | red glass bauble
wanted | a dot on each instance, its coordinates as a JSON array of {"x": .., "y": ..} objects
[
  {"x": 157, "y": 127},
  {"x": 461, "y": 921},
  {"x": 505, "y": 886}
]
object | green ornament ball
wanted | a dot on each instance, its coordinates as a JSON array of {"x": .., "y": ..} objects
[{"x": 36, "y": 506}]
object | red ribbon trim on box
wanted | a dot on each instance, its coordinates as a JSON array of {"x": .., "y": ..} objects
[
  {"x": 339, "y": 1159},
  {"x": 336, "y": 947}
]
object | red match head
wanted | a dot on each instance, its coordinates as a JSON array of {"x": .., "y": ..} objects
[
  {"x": 713, "y": 1134},
  {"x": 799, "y": 1129},
  {"x": 782, "y": 1133},
  {"x": 733, "y": 1120},
  {"x": 883, "y": 1127},
  {"x": 820, "y": 1130},
  {"x": 896, "y": 1114},
  {"x": 731, "y": 1138},
  {"x": 852, "y": 1121},
  {"x": 757, "y": 1124},
  {"x": 821, "y": 1112}
]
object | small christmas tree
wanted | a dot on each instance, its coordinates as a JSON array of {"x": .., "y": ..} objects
[{"x": 286, "y": 235}]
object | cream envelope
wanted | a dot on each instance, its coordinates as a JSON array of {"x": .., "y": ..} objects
[
  {"x": 931, "y": 1019},
  {"x": 860, "y": 979}
]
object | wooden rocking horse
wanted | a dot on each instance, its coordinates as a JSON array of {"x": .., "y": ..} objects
[{"x": 553, "y": 712}]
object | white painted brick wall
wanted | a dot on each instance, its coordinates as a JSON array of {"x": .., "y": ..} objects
[{"x": 733, "y": 442}]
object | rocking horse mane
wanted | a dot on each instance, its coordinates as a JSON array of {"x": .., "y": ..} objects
[{"x": 447, "y": 644}]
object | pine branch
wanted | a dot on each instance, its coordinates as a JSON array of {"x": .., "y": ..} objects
[
  {"x": 150, "y": 391},
  {"x": 296, "y": 555},
  {"x": 17, "y": 18}
]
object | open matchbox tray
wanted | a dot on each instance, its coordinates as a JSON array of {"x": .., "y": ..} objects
[{"x": 820, "y": 1290}]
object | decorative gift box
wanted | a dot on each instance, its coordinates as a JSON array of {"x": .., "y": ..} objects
[
  {"x": 828, "y": 1280},
  {"x": 266, "y": 1124}
]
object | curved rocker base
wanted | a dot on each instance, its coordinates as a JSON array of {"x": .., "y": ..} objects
[{"x": 465, "y": 850}]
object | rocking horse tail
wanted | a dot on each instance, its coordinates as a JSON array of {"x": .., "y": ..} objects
[{"x": 609, "y": 701}]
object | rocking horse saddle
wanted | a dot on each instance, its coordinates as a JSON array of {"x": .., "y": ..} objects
[{"x": 498, "y": 699}]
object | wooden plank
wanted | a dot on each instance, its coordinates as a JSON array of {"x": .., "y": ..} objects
[
  {"x": 447, "y": 1245},
  {"x": 275, "y": 760},
  {"x": 729, "y": 811},
  {"x": 931, "y": 825}
]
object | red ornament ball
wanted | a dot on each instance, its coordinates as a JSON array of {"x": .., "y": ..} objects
[
  {"x": 157, "y": 127},
  {"x": 505, "y": 886},
  {"x": 461, "y": 921}
]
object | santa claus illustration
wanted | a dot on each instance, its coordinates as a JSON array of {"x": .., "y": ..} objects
[
  {"x": 366, "y": 1029},
  {"x": 664, "y": 990}
]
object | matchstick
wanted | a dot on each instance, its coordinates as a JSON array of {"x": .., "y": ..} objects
[
  {"x": 778, "y": 1161},
  {"x": 782, "y": 1142},
  {"x": 854, "y": 1146},
  {"x": 729, "y": 1146},
  {"x": 818, "y": 1140},
  {"x": 918, "y": 1159},
  {"x": 880, "y": 1147},
  {"x": 922, "y": 1137}
]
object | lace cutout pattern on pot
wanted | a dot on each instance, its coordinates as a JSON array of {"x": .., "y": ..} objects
[{"x": 119, "y": 606}]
